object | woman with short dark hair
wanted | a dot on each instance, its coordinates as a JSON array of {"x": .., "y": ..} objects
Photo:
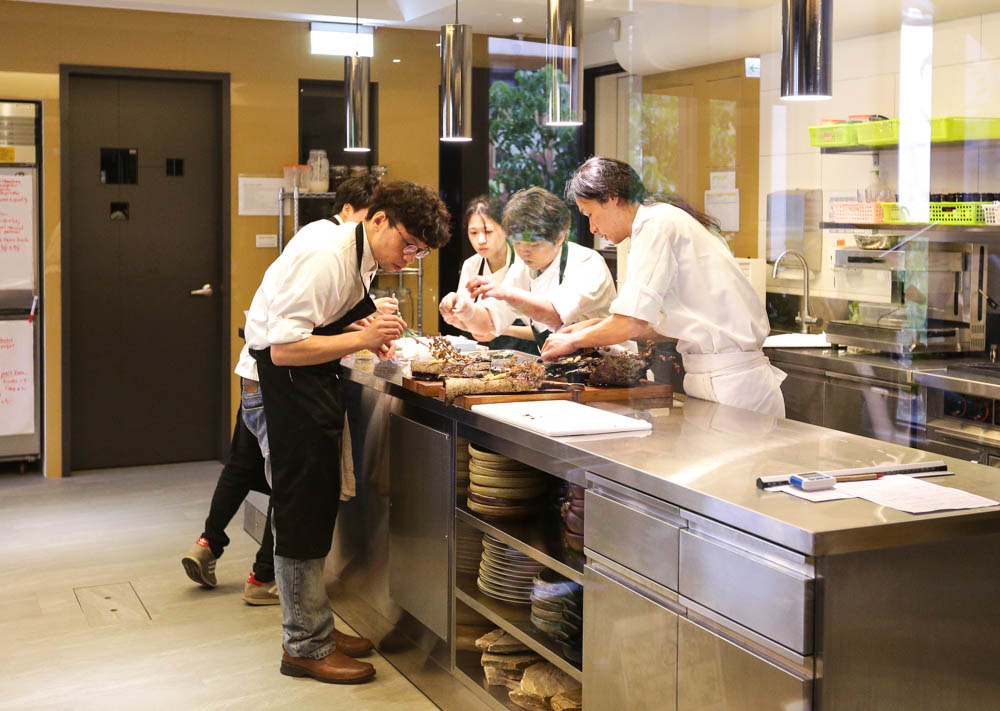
[{"x": 682, "y": 283}]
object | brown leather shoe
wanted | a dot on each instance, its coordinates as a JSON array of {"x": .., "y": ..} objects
[
  {"x": 352, "y": 646},
  {"x": 334, "y": 668}
]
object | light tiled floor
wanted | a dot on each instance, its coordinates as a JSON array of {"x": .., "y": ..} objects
[{"x": 201, "y": 649}]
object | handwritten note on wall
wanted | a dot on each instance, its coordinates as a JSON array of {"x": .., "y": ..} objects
[
  {"x": 17, "y": 378},
  {"x": 17, "y": 231}
]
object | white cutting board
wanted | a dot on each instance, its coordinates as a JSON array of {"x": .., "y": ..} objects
[{"x": 558, "y": 418}]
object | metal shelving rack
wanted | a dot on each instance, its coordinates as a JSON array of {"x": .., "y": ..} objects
[{"x": 294, "y": 195}]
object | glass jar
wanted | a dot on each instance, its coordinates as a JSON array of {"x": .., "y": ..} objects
[
  {"x": 338, "y": 174},
  {"x": 319, "y": 171}
]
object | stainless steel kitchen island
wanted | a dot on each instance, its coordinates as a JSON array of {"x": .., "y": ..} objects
[{"x": 701, "y": 591}]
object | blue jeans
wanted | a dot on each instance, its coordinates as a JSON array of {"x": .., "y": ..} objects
[
  {"x": 306, "y": 617},
  {"x": 252, "y": 409}
]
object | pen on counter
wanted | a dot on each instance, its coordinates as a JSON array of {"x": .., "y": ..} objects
[
  {"x": 34, "y": 307},
  {"x": 857, "y": 477}
]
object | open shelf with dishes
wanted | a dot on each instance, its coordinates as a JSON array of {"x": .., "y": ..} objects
[
  {"x": 516, "y": 621},
  {"x": 962, "y": 144},
  {"x": 536, "y": 537}
]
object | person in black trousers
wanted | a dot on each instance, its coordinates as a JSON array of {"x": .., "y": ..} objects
[{"x": 244, "y": 470}]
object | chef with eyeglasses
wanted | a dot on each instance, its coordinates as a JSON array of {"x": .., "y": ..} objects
[
  {"x": 682, "y": 283},
  {"x": 554, "y": 282}
]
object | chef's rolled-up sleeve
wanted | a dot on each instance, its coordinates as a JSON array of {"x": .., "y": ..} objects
[
  {"x": 587, "y": 290},
  {"x": 302, "y": 299},
  {"x": 651, "y": 270}
]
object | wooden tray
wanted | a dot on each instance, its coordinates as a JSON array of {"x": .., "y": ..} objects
[{"x": 435, "y": 389}]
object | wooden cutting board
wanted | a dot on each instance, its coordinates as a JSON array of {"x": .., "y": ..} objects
[{"x": 435, "y": 389}]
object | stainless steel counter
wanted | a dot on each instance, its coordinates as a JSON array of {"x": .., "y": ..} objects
[{"x": 705, "y": 458}]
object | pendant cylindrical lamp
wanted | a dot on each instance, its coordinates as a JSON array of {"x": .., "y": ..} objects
[
  {"x": 357, "y": 71},
  {"x": 806, "y": 50},
  {"x": 456, "y": 83},
  {"x": 563, "y": 36}
]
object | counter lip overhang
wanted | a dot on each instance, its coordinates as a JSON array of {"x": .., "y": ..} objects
[{"x": 880, "y": 528}]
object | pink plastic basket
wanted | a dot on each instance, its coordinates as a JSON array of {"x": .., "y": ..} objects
[{"x": 862, "y": 213}]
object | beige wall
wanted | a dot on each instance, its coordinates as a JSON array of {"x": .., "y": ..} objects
[{"x": 265, "y": 60}]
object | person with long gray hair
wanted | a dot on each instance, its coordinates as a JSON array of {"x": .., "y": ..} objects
[
  {"x": 681, "y": 283},
  {"x": 554, "y": 282}
]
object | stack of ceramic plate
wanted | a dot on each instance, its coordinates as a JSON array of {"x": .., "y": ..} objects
[
  {"x": 572, "y": 518},
  {"x": 505, "y": 573},
  {"x": 462, "y": 467},
  {"x": 557, "y": 610},
  {"x": 501, "y": 487},
  {"x": 468, "y": 549}
]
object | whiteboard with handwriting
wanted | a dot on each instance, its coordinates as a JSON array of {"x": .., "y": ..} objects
[
  {"x": 17, "y": 377},
  {"x": 17, "y": 230}
]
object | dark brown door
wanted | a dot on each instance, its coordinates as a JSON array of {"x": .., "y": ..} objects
[{"x": 145, "y": 231}]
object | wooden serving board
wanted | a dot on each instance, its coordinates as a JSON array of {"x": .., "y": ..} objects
[
  {"x": 435, "y": 389},
  {"x": 645, "y": 389},
  {"x": 430, "y": 388},
  {"x": 467, "y": 401}
]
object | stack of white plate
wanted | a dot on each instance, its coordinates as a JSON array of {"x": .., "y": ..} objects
[
  {"x": 505, "y": 573},
  {"x": 468, "y": 550}
]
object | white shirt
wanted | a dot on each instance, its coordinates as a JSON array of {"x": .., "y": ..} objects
[
  {"x": 586, "y": 291},
  {"x": 311, "y": 284},
  {"x": 470, "y": 269},
  {"x": 683, "y": 280}
]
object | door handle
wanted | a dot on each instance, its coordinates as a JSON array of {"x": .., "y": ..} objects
[{"x": 205, "y": 290}]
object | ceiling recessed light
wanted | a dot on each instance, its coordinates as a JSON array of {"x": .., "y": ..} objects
[
  {"x": 438, "y": 44},
  {"x": 517, "y": 19},
  {"x": 396, "y": 61}
]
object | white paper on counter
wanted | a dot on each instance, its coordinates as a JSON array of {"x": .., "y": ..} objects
[
  {"x": 913, "y": 495},
  {"x": 816, "y": 496},
  {"x": 797, "y": 340},
  {"x": 17, "y": 377}
]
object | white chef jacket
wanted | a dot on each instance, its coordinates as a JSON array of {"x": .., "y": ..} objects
[
  {"x": 312, "y": 283},
  {"x": 682, "y": 279},
  {"x": 471, "y": 266},
  {"x": 586, "y": 291}
]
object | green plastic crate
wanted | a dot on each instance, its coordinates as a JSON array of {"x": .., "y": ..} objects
[
  {"x": 886, "y": 133},
  {"x": 954, "y": 128},
  {"x": 945, "y": 213},
  {"x": 837, "y": 135}
]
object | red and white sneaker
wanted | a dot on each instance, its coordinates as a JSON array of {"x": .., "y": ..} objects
[
  {"x": 257, "y": 593},
  {"x": 199, "y": 563}
]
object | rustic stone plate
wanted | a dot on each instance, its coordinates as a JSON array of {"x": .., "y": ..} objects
[
  {"x": 504, "y": 481},
  {"x": 511, "y": 492}
]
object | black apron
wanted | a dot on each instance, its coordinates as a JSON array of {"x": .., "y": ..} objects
[
  {"x": 304, "y": 409},
  {"x": 512, "y": 343},
  {"x": 540, "y": 336}
]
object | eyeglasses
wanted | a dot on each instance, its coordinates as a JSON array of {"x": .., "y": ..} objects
[{"x": 416, "y": 250}]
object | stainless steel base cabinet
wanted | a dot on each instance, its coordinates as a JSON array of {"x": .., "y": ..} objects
[
  {"x": 420, "y": 517},
  {"x": 714, "y": 674},
  {"x": 629, "y": 644}
]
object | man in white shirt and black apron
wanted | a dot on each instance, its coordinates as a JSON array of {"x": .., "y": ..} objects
[
  {"x": 681, "y": 283},
  {"x": 298, "y": 327}
]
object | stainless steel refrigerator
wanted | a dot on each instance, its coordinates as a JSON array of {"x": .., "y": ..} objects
[{"x": 20, "y": 287}]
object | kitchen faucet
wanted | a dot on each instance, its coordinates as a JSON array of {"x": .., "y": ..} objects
[{"x": 804, "y": 319}]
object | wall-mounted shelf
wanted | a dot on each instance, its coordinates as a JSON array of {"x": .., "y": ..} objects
[
  {"x": 972, "y": 229},
  {"x": 974, "y": 144}
]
